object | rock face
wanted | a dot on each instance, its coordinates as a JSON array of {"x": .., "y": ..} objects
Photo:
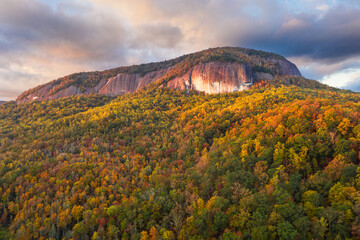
[
  {"x": 220, "y": 77},
  {"x": 70, "y": 91},
  {"x": 121, "y": 84},
  {"x": 209, "y": 77},
  {"x": 126, "y": 83},
  {"x": 263, "y": 76},
  {"x": 44, "y": 93},
  {"x": 286, "y": 67},
  {"x": 215, "y": 77}
]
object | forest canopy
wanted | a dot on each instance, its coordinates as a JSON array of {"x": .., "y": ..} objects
[{"x": 279, "y": 161}]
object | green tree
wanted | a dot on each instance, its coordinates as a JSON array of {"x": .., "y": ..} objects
[{"x": 286, "y": 231}]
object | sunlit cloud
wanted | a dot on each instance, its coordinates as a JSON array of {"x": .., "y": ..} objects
[
  {"x": 42, "y": 40},
  {"x": 346, "y": 78}
]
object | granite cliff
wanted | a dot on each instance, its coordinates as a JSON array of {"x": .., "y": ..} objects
[{"x": 216, "y": 70}]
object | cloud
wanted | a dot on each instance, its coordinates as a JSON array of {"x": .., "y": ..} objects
[
  {"x": 35, "y": 25},
  {"x": 159, "y": 35},
  {"x": 321, "y": 30},
  {"x": 41, "y": 40},
  {"x": 347, "y": 79},
  {"x": 319, "y": 68},
  {"x": 294, "y": 24},
  {"x": 305, "y": 35},
  {"x": 12, "y": 77}
]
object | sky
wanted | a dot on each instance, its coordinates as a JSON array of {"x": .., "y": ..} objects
[{"x": 42, "y": 40}]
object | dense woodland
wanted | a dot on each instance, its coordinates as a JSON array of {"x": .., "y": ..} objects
[
  {"x": 280, "y": 161},
  {"x": 179, "y": 66}
]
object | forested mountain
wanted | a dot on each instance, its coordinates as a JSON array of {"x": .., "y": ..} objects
[
  {"x": 278, "y": 161},
  {"x": 216, "y": 70}
]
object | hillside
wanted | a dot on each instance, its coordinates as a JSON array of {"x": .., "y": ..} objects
[
  {"x": 216, "y": 70},
  {"x": 279, "y": 161}
]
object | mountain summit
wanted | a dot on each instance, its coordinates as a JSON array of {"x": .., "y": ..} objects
[{"x": 215, "y": 70}]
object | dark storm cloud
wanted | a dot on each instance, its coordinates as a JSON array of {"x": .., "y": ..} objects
[{"x": 334, "y": 36}]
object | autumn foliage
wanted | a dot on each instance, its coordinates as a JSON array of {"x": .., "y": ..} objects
[{"x": 276, "y": 162}]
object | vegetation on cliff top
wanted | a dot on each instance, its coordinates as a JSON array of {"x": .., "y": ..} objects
[
  {"x": 276, "y": 162},
  {"x": 84, "y": 80}
]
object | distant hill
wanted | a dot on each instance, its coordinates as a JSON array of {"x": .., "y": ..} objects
[
  {"x": 1, "y": 102},
  {"x": 215, "y": 70}
]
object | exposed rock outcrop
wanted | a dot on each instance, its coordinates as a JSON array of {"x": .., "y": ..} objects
[
  {"x": 215, "y": 77},
  {"x": 126, "y": 83},
  {"x": 286, "y": 67},
  {"x": 118, "y": 85},
  {"x": 230, "y": 69},
  {"x": 70, "y": 91},
  {"x": 263, "y": 76}
]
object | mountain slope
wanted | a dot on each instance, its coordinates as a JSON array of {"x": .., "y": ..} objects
[
  {"x": 278, "y": 161},
  {"x": 215, "y": 70}
]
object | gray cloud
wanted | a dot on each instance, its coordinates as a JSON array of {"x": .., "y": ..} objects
[
  {"x": 40, "y": 41},
  {"x": 85, "y": 36},
  {"x": 333, "y": 37},
  {"x": 158, "y": 35}
]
